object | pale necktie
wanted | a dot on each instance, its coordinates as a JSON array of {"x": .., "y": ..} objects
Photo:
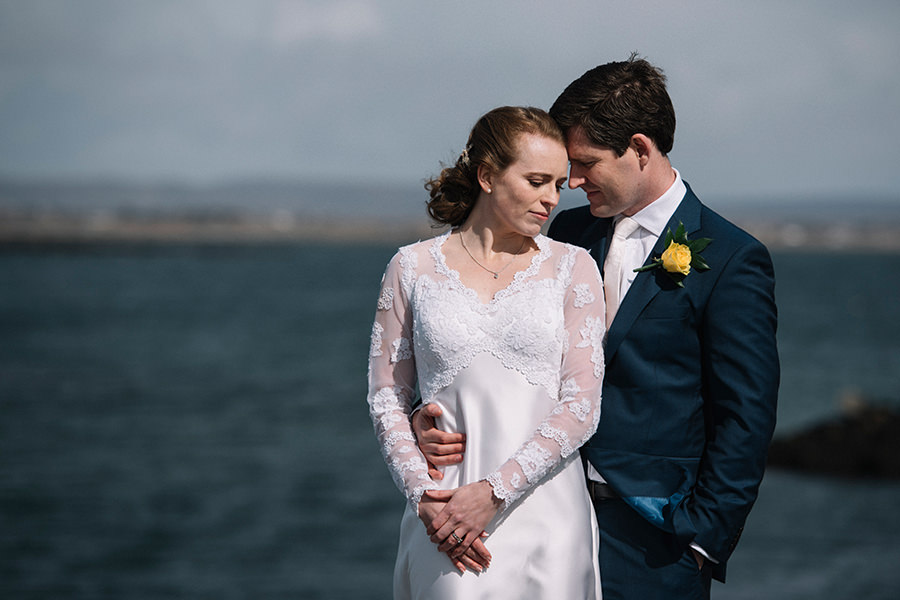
[{"x": 613, "y": 269}]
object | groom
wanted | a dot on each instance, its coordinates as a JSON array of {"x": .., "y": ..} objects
[{"x": 692, "y": 370}]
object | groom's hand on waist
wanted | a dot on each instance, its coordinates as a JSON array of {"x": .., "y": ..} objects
[
  {"x": 439, "y": 447},
  {"x": 699, "y": 558}
]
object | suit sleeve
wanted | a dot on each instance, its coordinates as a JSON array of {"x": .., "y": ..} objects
[
  {"x": 561, "y": 227},
  {"x": 740, "y": 388},
  {"x": 556, "y": 226}
]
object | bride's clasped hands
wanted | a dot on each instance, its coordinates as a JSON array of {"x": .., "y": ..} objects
[{"x": 455, "y": 520}]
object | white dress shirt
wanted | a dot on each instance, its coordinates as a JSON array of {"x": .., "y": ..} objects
[{"x": 652, "y": 220}]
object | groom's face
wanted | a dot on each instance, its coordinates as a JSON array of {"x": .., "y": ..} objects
[{"x": 612, "y": 182}]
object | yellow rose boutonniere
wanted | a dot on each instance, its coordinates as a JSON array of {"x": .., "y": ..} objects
[{"x": 679, "y": 256}]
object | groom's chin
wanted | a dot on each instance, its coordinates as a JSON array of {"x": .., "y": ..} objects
[{"x": 601, "y": 211}]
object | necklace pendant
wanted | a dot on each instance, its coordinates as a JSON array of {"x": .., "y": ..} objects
[{"x": 496, "y": 275}]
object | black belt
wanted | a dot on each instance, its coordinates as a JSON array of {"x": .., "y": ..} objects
[{"x": 600, "y": 491}]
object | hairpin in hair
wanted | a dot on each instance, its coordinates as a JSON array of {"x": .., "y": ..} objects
[{"x": 464, "y": 157}]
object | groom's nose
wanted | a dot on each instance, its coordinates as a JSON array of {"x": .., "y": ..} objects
[{"x": 576, "y": 177}]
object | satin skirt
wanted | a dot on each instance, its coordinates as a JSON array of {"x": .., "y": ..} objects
[{"x": 545, "y": 545}]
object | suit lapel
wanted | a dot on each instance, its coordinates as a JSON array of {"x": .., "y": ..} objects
[{"x": 645, "y": 286}]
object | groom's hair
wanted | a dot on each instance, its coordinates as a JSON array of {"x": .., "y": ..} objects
[{"x": 614, "y": 101}]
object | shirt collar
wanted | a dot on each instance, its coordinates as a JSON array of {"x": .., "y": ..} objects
[{"x": 656, "y": 215}]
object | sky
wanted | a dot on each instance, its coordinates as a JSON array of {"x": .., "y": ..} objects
[{"x": 772, "y": 98}]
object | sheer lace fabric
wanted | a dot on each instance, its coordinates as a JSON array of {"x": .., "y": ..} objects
[{"x": 546, "y": 327}]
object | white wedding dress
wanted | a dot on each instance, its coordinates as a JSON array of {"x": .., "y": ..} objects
[{"x": 521, "y": 376}]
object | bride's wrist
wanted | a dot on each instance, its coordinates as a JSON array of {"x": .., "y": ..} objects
[{"x": 497, "y": 502}]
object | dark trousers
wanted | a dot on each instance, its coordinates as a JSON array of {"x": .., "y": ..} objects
[{"x": 641, "y": 562}]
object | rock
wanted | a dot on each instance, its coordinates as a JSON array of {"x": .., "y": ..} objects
[{"x": 863, "y": 442}]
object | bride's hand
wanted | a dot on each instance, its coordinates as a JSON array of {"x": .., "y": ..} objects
[
  {"x": 476, "y": 558},
  {"x": 458, "y": 527}
]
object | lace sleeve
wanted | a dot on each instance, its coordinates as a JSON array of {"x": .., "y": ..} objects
[
  {"x": 577, "y": 412},
  {"x": 392, "y": 380}
]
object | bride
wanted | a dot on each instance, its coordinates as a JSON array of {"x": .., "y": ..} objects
[{"x": 502, "y": 328}]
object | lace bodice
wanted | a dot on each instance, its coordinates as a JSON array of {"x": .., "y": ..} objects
[{"x": 547, "y": 325}]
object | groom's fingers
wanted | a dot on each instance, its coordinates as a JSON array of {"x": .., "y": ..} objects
[
  {"x": 432, "y": 411},
  {"x": 440, "y": 495},
  {"x": 699, "y": 558},
  {"x": 439, "y": 447},
  {"x": 441, "y": 455},
  {"x": 435, "y": 442},
  {"x": 432, "y": 441}
]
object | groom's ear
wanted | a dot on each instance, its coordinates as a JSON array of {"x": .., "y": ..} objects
[{"x": 643, "y": 146}]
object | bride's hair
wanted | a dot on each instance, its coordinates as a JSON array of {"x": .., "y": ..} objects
[{"x": 492, "y": 143}]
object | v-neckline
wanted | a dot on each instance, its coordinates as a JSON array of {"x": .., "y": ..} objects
[{"x": 543, "y": 244}]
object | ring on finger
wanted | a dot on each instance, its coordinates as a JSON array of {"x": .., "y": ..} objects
[{"x": 456, "y": 537}]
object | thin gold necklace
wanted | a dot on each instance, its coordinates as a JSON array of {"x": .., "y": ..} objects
[{"x": 496, "y": 274}]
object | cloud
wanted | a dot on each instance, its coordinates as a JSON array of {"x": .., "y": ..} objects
[
  {"x": 340, "y": 21},
  {"x": 767, "y": 94}
]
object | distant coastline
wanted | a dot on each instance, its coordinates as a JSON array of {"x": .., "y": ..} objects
[
  {"x": 22, "y": 228},
  {"x": 290, "y": 212},
  {"x": 218, "y": 229}
]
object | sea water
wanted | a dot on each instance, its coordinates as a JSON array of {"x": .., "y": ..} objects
[{"x": 189, "y": 421}]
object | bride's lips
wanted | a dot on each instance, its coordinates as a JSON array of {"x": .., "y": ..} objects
[{"x": 540, "y": 215}]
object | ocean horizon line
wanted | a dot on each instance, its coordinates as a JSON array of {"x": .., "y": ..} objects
[
  {"x": 261, "y": 211},
  {"x": 55, "y": 227}
]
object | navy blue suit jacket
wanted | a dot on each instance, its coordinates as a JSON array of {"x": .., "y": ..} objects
[{"x": 691, "y": 381}]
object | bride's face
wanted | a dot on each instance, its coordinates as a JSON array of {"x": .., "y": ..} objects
[{"x": 525, "y": 193}]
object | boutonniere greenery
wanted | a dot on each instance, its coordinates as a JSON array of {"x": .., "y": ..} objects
[{"x": 680, "y": 256}]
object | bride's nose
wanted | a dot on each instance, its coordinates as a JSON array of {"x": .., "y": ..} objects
[{"x": 552, "y": 199}]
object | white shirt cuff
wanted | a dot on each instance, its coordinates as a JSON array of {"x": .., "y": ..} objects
[{"x": 704, "y": 554}]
